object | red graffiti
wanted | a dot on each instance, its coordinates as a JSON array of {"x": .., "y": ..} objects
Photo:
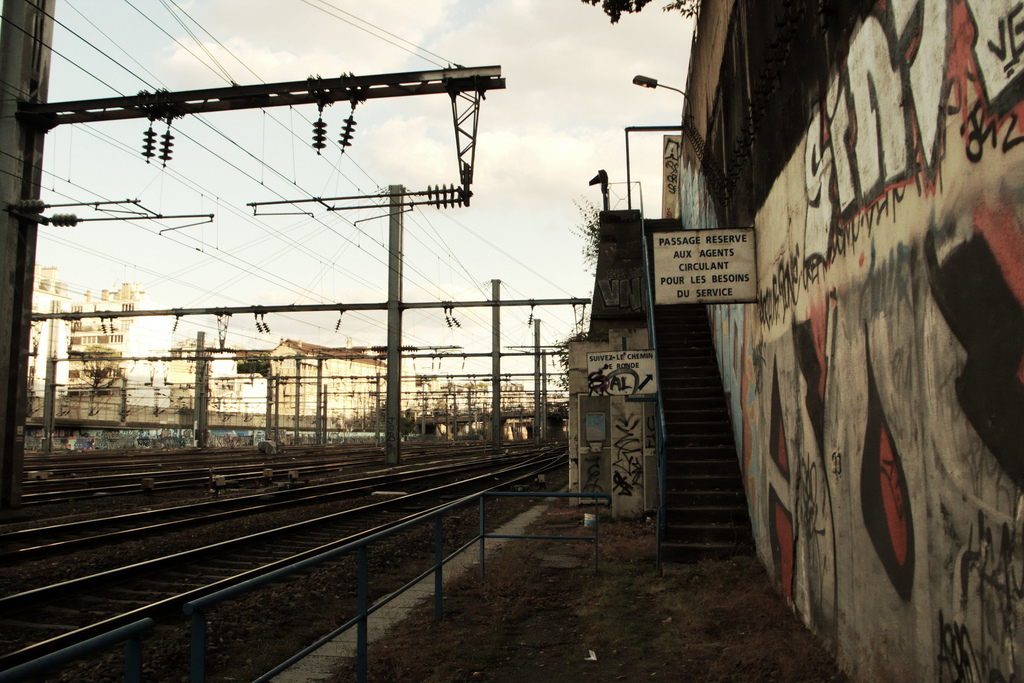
[{"x": 892, "y": 498}]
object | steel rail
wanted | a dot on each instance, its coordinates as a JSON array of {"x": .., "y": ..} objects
[
  {"x": 171, "y": 605},
  {"x": 109, "y": 530}
]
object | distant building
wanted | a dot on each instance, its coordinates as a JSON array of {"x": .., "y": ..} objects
[
  {"x": 50, "y": 337},
  {"x": 135, "y": 336}
]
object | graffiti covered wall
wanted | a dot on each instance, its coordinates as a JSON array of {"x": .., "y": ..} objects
[{"x": 877, "y": 387}]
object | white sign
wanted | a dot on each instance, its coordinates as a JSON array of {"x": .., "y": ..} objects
[
  {"x": 704, "y": 266},
  {"x": 622, "y": 373}
]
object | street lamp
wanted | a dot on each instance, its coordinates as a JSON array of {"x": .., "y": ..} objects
[{"x": 648, "y": 82}]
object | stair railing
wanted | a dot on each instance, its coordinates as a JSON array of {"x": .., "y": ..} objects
[{"x": 660, "y": 427}]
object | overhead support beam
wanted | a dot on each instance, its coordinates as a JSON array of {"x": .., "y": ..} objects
[
  {"x": 302, "y": 308},
  {"x": 161, "y": 105}
]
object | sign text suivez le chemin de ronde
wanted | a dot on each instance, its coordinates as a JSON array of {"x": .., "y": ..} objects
[{"x": 705, "y": 266}]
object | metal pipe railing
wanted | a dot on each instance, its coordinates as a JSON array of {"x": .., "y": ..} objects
[
  {"x": 660, "y": 427},
  {"x": 197, "y": 608},
  {"x": 130, "y": 635}
]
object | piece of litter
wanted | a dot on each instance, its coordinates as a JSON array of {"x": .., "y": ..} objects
[{"x": 592, "y": 657}]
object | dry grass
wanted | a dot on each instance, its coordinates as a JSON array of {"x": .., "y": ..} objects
[{"x": 721, "y": 621}]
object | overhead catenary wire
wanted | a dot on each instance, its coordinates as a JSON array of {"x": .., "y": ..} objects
[
  {"x": 417, "y": 233},
  {"x": 205, "y": 122}
]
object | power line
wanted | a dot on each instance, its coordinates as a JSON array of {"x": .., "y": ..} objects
[
  {"x": 444, "y": 62},
  {"x": 87, "y": 42},
  {"x": 176, "y": 41},
  {"x": 66, "y": 59},
  {"x": 198, "y": 42}
]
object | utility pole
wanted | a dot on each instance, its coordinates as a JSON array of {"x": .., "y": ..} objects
[
  {"x": 323, "y": 421},
  {"x": 270, "y": 404},
  {"x": 277, "y": 408},
  {"x": 376, "y": 411},
  {"x": 393, "y": 422},
  {"x": 124, "y": 398},
  {"x": 536, "y": 382},
  {"x": 25, "y": 74},
  {"x": 298, "y": 394},
  {"x": 496, "y": 368},
  {"x": 50, "y": 387},
  {"x": 544, "y": 394},
  {"x": 320, "y": 401},
  {"x": 199, "y": 423}
]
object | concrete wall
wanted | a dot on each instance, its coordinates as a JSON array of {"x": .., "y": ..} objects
[
  {"x": 876, "y": 388},
  {"x": 624, "y": 462}
]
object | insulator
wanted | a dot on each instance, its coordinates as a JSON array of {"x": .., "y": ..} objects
[
  {"x": 30, "y": 206},
  {"x": 149, "y": 143},
  {"x": 319, "y": 135},
  {"x": 166, "y": 143},
  {"x": 346, "y": 134},
  {"x": 61, "y": 220}
]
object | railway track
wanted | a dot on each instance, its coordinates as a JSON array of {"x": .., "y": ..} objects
[
  {"x": 54, "y": 540},
  {"x": 68, "y": 477},
  {"x": 42, "y": 620}
]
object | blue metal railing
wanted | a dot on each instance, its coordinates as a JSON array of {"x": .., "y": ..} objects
[
  {"x": 130, "y": 635},
  {"x": 660, "y": 427},
  {"x": 197, "y": 608}
]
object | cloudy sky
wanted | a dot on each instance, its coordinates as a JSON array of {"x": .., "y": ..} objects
[{"x": 569, "y": 96}]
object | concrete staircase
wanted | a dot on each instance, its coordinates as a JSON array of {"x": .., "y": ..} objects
[{"x": 706, "y": 508}]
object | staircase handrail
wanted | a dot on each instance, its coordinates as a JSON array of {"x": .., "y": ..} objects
[{"x": 660, "y": 426}]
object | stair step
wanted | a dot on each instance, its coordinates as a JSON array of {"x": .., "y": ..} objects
[
  {"x": 675, "y": 452},
  {"x": 692, "y": 553},
  {"x": 706, "y": 505},
  {"x": 681, "y": 500},
  {"x": 686, "y": 440},
  {"x": 701, "y": 482},
  {"x": 687, "y": 368},
  {"x": 681, "y": 426},
  {"x": 674, "y": 402},
  {"x": 671, "y": 391},
  {"x": 717, "y": 467},
  {"x": 708, "y": 514},
  {"x": 708, "y": 533},
  {"x": 684, "y": 377}
]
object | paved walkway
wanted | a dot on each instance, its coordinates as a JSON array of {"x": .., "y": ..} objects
[{"x": 318, "y": 665}]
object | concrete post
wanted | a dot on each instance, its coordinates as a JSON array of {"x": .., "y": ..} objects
[
  {"x": 50, "y": 386},
  {"x": 496, "y": 367},
  {"x": 298, "y": 394},
  {"x": 25, "y": 72},
  {"x": 536, "y": 382},
  {"x": 320, "y": 400},
  {"x": 393, "y": 423},
  {"x": 199, "y": 393},
  {"x": 268, "y": 422}
]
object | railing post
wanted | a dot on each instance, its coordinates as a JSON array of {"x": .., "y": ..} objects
[
  {"x": 481, "y": 536},
  {"x": 133, "y": 660},
  {"x": 361, "y": 605},
  {"x": 197, "y": 664},
  {"x": 438, "y": 569}
]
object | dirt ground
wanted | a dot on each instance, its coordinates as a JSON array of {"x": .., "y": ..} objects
[{"x": 542, "y": 615}]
